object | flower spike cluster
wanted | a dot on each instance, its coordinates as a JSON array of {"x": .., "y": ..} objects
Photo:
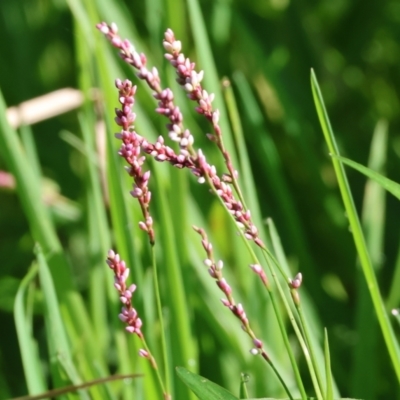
[
  {"x": 128, "y": 314},
  {"x": 187, "y": 157},
  {"x": 130, "y": 150}
]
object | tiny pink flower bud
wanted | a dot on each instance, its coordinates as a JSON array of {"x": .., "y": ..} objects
[
  {"x": 208, "y": 262},
  {"x": 256, "y": 268},
  {"x": 258, "y": 343},
  {"x": 143, "y": 353},
  {"x": 132, "y": 288},
  {"x": 224, "y": 286},
  {"x": 220, "y": 265},
  {"x": 167, "y": 46},
  {"x": 212, "y": 273},
  {"x": 225, "y": 302},
  {"x": 143, "y": 226},
  {"x": 176, "y": 46},
  {"x": 111, "y": 254},
  {"x": 136, "y": 192},
  {"x": 188, "y": 87}
]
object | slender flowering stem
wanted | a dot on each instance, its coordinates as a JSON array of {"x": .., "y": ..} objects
[
  {"x": 131, "y": 148},
  {"x": 128, "y": 313},
  {"x": 215, "y": 271}
]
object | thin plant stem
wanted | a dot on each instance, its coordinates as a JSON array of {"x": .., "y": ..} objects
[
  {"x": 271, "y": 364},
  {"x": 298, "y": 334},
  {"x": 161, "y": 320},
  {"x": 304, "y": 326},
  {"x": 163, "y": 387},
  {"x": 272, "y": 297}
]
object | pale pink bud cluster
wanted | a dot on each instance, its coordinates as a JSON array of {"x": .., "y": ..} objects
[
  {"x": 130, "y": 150},
  {"x": 215, "y": 271},
  {"x": 189, "y": 78},
  {"x": 176, "y": 131},
  {"x": 165, "y": 97},
  {"x": 128, "y": 314},
  {"x": 234, "y": 206},
  {"x": 130, "y": 56}
]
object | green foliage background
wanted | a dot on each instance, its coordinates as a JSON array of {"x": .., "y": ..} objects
[{"x": 266, "y": 48}]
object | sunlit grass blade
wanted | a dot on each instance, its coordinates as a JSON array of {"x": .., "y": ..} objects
[
  {"x": 365, "y": 260},
  {"x": 59, "y": 348},
  {"x": 170, "y": 269},
  {"x": 271, "y": 165},
  {"x": 373, "y": 221},
  {"x": 28, "y": 184},
  {"x": 391, "y": 186},
  {"x": 34, "y": 375},
  {"x": 203, "y": 388}
]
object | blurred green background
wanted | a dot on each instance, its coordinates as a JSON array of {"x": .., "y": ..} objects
[{"x": 354, "y": 48}]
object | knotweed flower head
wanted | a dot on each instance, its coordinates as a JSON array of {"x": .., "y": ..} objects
[{"x": 128, "y": 314}]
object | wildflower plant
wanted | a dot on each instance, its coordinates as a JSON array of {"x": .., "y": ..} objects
[
  {"x": 203, "y": 287},
  {"x": 135, "y": 148}
]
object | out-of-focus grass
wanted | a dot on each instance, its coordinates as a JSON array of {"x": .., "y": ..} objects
[{"x": 266, "y": 51}]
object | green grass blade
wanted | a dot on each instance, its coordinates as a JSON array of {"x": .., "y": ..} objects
[
  {"x": 59, "y": 348},
  {"x": 243, "y": 393},
  {"x": 391, "y": 186},
  {"x": 203, "y": 388},
  {"x": 28, "y": 184},
  {"x": 368, "y": 270},
  {"x": 176, "y": 299},
  {"x": 34, "y": 375},
  {"x": 393, "y": 299},
  {"x": 364, "y": 374},
  {"x": 328, "y": 371}
]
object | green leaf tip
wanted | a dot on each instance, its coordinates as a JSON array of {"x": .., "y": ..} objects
[{"x": 202, "y": 387}]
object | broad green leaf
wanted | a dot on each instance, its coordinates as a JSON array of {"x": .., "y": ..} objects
[{"x": 202, "y": 387}]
